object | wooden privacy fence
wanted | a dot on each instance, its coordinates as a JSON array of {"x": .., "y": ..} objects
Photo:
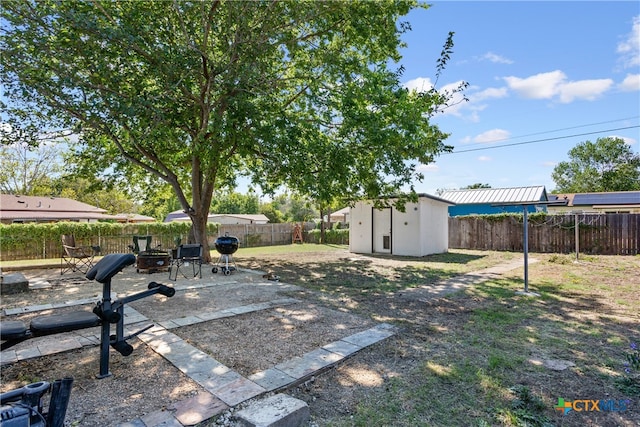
[
  {"x": 606, "y": 234},
  {"x": 252, "y": 235},
  {"x": 118, "y": 240}
]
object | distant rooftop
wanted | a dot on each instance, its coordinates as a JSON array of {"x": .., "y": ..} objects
[
  {"x": 40, "y": 208},
  {"x": 179, "y": 215},
  {"x": 496, "y": 195},
  {"x": 604, "y": 198}
]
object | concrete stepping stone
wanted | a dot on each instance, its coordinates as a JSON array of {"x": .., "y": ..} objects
[
  {"x": 279, "y": 410},
  {"x": 13, "y": 283}
]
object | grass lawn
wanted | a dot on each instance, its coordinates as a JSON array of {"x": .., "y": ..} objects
[{"x": 483, "y": 356}]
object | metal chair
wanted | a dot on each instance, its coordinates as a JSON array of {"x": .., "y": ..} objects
[
  {"x": 141, "y": 244},
  {"x": 76, "y": 258},
  {"x": 187, "y": 254}
]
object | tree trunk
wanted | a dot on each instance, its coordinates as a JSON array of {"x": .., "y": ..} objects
[
  {"x": 199, "y": 233},
  {"x": 321, "y": 225}
]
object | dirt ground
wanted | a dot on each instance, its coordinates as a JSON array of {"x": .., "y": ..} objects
[{"x": 144, "y": 382}]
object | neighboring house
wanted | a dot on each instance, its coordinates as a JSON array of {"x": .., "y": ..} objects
[
  {"x": 611, "y": 202},
  {"x": 482, "y": 201},
  {"x": 221, "y": 218},
  {"x": 19, "y": 209},
  {"x": 421, "y": 230},
  {"x": 341, "y": 215},
  {"x": 131, "y": 218}
]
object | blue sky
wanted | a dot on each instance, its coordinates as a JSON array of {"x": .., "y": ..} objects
[{"x": 536, "y": 70}]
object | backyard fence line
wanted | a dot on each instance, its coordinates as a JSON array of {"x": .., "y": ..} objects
[
  {"x": 119, "y": 240},
  {"x": 604, "y": 234}
]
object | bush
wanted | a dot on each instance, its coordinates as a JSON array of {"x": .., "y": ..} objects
[
  {"x": 38, "y": 240},
  {"x": 333, "y": 237}
]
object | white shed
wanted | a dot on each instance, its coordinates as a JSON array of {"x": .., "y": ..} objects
[{"x": 422, "y": 229}]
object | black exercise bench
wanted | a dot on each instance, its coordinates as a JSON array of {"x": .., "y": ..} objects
[{"x": 105, "y": 313}]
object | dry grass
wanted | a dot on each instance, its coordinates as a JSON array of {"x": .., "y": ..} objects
[{"x": 483, "y": 356}]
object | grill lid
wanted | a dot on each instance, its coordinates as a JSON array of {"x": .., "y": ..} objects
[{"x": 226, "y": 244}]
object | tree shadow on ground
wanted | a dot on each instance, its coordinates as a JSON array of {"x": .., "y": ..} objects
[
  {"x": 356, "y": 276},
  {"x": 449, "y": 258}
]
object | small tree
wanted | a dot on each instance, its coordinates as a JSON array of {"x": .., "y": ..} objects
[
  {"x": 476, "y": 186},
  {"x": 236, "y": 203},
  {"x": 606, "y": 165},
  {"x": 29, "y": 170}
]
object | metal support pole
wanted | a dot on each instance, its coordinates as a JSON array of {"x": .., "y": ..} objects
[
  {"x": 577, "y": 234},
  {"x": 526, "y": 250},
  {"x": 105, "y": 331}
]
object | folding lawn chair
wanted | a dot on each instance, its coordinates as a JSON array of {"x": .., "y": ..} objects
[
  {"x": 76, "y": 258},
  {"x": 187, "y": 254},
  {"x": 141, "y": 244}
]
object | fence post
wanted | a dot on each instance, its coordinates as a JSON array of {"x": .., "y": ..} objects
[{"x": 577, "y": 233}]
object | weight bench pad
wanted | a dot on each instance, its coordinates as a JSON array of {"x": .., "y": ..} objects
[
  {"x": 12, "y": 330},
  {"x": 109, "y": 266},
  {"x": 57, "y": 323}
]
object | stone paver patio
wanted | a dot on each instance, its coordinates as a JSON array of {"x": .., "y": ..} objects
[{"x": 224, "y": 387}]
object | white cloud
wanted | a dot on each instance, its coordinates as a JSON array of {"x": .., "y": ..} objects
[
  {"x": 629, "y": 48},
  {"x": 549, "y": 164},
  {"x": 421, "y": 84},
  {"x": 456, "y": 102},
  {"x": 495, "y": 58},
  {"x": 470, "y": 107},
  {"x": 485, "y": 158},
  {"x": 5, "y": 127},
  {"x": 539, "y": 86},
  {"x": 431, "y": 167},
  {"x": 631, "y": 83},
  {"x": 490, "y": 93},
  {"x": 493, "y": 135},
  {"x": 456, "y": 99},
  {"x": 583, "y": 89},
  {"x": 555, "y": 84}
]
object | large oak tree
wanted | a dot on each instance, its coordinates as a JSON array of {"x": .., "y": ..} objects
[
  {"x": 195, "y": 93},
  {"x": 608, "y": 164}
]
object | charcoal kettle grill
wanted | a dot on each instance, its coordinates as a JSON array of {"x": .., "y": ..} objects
[{"x": 226, "y": 246}]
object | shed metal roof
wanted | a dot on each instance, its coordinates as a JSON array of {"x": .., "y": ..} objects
[{"x": 496, "y": 195}]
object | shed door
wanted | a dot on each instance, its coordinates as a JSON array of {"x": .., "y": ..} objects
[{"x": 382, "y": 230}]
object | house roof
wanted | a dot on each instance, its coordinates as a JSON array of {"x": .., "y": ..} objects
[
  {"x": 496, "y": 195},
  {"x": 343, "y": 211},
  {"x": 134, "y": 218},
  {"x": 437, "y": 198},
  {"x": 566, "y": 198},
  {"x": 614, "y": 198},
  {"x": 38, "y": 208},
  {"x": 252, "y": 217},
  {"x": 179, "y": 215}
]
